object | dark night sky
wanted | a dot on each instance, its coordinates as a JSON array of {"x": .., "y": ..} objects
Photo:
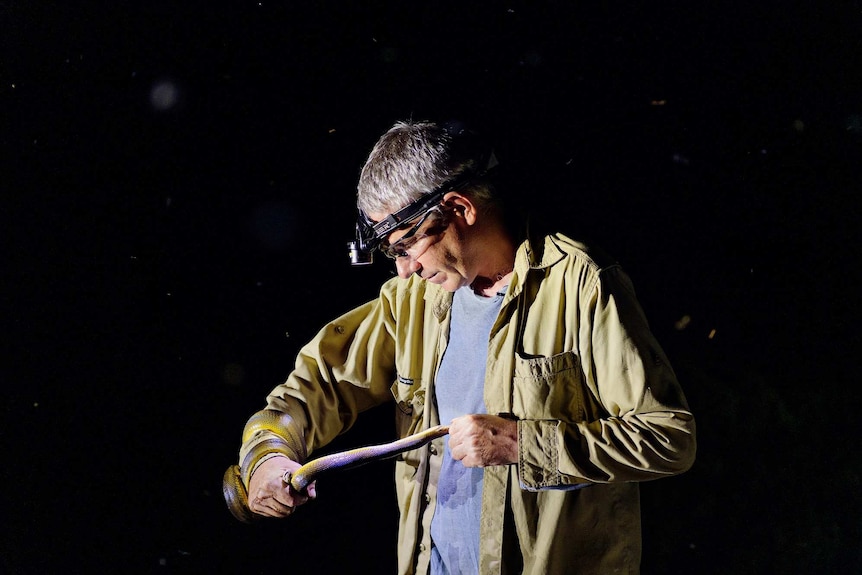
[{"x": 177, "y": 187}]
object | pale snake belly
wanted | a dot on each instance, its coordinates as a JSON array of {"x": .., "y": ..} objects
[{"x": 236, "y": 496}]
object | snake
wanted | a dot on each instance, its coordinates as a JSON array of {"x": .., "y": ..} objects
[{"x": 236, "y": 496}]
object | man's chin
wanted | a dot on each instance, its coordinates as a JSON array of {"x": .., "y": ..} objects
[
  {"x": 445, "y": 282},
  {"x": 452, "y": 284}
]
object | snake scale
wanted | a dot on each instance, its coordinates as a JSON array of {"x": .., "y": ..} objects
[{"x": 236, "y": 496}]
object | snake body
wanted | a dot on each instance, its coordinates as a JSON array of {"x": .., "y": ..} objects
[{"x": 236, "y": 496}]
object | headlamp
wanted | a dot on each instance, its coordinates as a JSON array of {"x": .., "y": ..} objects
[{"x": 369, "y": 234}]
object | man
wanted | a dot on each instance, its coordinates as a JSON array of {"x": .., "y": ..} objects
[{"x": 534, "y": 350}]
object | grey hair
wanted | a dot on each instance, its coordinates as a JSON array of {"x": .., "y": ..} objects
[{"x": 410, "y": 160}]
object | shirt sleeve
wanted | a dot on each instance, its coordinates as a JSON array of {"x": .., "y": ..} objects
[
  {"x": 644, "y": 429},
  {"x": 347, "y": 368}
]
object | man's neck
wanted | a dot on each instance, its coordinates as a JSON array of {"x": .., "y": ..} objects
[
  {"x": 483, "y": 286},
  {"x": 498, "y": 271},
  {"x": 496, "y": 255}
]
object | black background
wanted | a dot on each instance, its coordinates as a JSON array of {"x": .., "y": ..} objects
[{"x": 177, "y": 186}]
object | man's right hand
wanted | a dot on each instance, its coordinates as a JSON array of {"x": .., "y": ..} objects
[{"x": 269, "y": 495}]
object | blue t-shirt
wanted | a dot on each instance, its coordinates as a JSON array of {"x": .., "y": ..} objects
[{"x": 459, "y": 389}]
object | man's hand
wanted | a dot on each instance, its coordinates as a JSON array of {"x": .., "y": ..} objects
[
  {"x": 482, "y": 440},
  {"x": 269, "y": 495}
]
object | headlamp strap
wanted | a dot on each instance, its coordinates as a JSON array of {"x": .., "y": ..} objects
[{"x": 385, "y": 226}]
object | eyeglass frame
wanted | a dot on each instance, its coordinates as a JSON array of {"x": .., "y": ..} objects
[{"x": 397, "y": 249}]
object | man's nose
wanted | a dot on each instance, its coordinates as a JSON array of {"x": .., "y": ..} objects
[{"x": 406, "y": 266}]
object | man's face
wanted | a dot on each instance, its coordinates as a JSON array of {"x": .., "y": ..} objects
[{"x": 437, "y": 251}]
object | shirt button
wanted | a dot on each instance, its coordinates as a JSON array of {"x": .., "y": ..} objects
[
  {"x": 427, "y": 498},
  {"x": 433, "y": 449},
  {"x": 422, "y": 547}
]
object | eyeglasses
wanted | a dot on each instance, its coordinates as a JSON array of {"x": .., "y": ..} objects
[{"x": 402, "y": 246}]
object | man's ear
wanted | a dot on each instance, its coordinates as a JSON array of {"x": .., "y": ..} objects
[{"x": 462, "y": 206}]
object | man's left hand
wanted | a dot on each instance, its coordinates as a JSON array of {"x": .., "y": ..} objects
[{"x": 481, "y": 440}]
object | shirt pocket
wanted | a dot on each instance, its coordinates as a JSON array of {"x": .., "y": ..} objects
[{"x": 549, "y": 387}]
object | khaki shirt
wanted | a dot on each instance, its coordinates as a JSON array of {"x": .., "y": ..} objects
[{"x": 570, "y": 357}]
